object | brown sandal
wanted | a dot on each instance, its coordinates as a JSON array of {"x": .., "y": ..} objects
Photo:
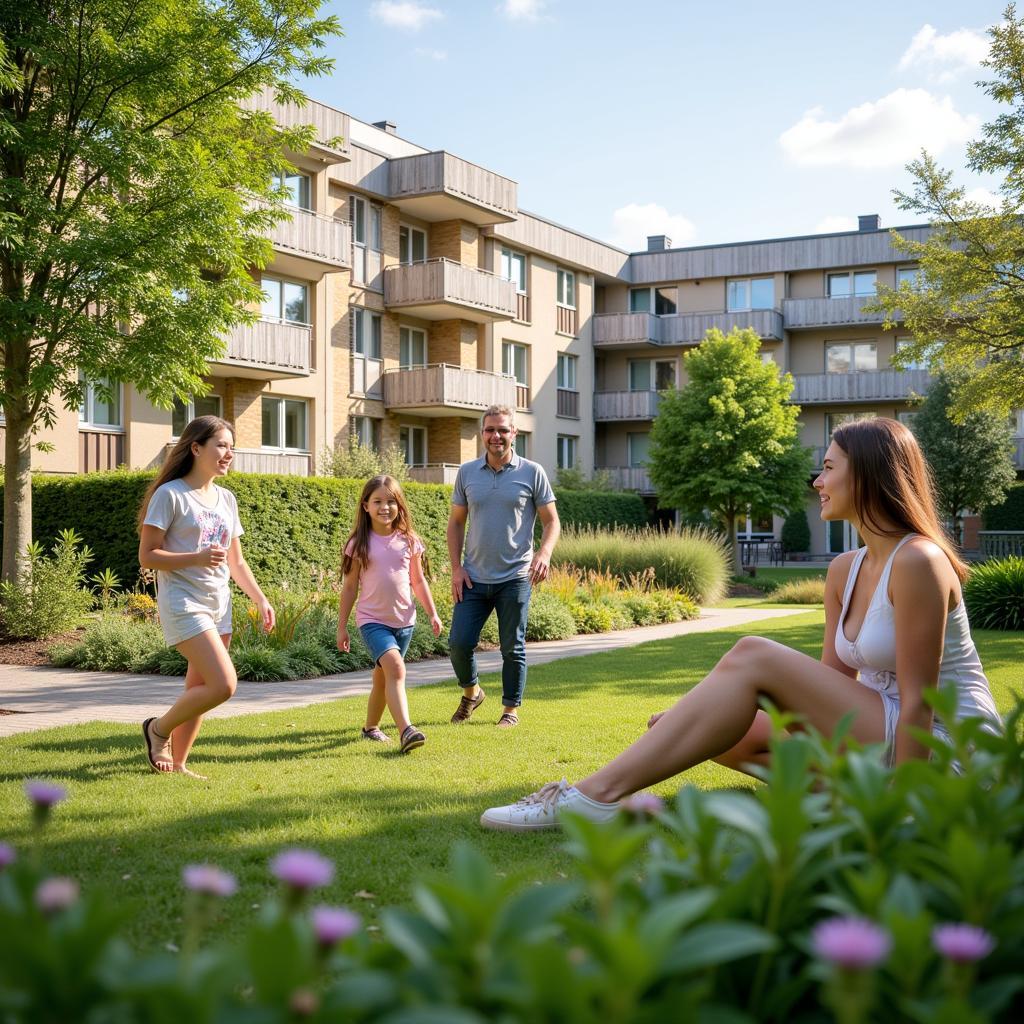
[
  {"x": 509, "y": 720},
  {"x": 161, "y": 754},
  {"x": 467, "y": 705}
]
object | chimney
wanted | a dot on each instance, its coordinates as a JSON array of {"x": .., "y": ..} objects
[
  {"x": 386, "y": 126},
  {"x": 658, "y": 243},
  {"x": 869, "y": 222}
]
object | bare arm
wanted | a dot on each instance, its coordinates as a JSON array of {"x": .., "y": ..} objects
[
  {"x": 349, "y": 589},
  {"x": 456, "y": 535},
  {"x": 421, "y": 589},
  {"x": 242, "y": 575},
  {"x": 551, "y": 528},
  {"x": 153, "y": 556},
  {"x": 835, "y": 584}
]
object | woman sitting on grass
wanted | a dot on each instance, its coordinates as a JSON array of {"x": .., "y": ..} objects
[{"x": 895, "y": 626}]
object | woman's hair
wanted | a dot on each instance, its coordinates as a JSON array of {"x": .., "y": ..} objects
[
  {"x": 179, "y": 460},
  {"x": 892, "y": 483},
  {"x": 360, "y": 535}
]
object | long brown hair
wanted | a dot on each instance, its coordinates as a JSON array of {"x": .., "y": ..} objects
[
  {"x": 892, "y": 483},
  {"x": 179, "y": 460},
  {"x": 360, "y": 535}
]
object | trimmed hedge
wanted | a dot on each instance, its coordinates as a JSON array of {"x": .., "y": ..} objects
[
  {"x": 1010, "y": 514},
  {"x": 294, "y": 525}
]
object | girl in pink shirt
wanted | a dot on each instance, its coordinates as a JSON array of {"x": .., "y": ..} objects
[{"x": 382, "y": 562}]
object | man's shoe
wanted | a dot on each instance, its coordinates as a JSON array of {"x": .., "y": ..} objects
[
  {"x": 509, "y": 720},
  {"x": 541, "y": 810},
  {"x": 467, "y": 705},
  {"x": 412, "y": 738}
]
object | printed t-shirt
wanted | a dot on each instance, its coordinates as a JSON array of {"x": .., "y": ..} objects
[{"x": 385, "y": 584}]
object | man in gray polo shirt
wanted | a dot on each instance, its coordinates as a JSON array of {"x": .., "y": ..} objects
[{"x": 501, "y": 495}]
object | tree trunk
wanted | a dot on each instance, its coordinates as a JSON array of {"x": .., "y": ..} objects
[
  {"x": 734, "y": 544},
  {"x": 17, "y": 494}
]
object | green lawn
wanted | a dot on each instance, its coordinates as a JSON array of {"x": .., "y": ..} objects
[{"x": 304, "y": 777}]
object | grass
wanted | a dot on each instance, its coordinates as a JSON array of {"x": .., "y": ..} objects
[{"x": 302, "y": 777}]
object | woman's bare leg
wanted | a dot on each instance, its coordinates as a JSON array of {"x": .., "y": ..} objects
[
  {"x": 717, "y": 714},
  {"x": 754, "y": 748},
  {"x": 376, "y": 703},
  {"x": 214, "y": 681},
  {"x": 185, "y": 734},
  {"x": 394, "y": 688}
]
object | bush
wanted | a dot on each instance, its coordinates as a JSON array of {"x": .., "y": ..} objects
[
  {"x": 115, "y": 643},
  {"x": 1010, "y": 514},
  {"x": 599, "y": 509},
  {"x": 48, "y": 596},
  {"x": 549, "y": 618},
  {"x": 643, "y": 608},
  {"x": 994, "y": 594},
  {"x": 261, "y": 664},
  {"x": 621, "y": 617},
  {"x": 694, "y": 561},
  {"x": 140, "y": 607},
  {"x": 672, "y": 606},
  {"x": 800, "y": 592},
  {"x": 356, "y": 461},
  {"x": 796, "y": 533}
]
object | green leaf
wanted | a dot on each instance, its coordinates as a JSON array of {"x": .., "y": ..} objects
[{"x": 718, "y": 942}]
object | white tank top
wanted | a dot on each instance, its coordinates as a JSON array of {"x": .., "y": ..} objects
[{"x": 873, "y": 652}]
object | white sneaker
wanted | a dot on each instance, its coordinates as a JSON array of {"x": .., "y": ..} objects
[{"x": 541, "y": 809}]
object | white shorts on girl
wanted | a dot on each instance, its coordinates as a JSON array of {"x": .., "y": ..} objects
[{"x": 182, "y": 619}]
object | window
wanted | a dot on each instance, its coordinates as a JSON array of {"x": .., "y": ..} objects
[
  {"x": 851, "y": 357},
  {"x": 413, "y": 442},
  {"x": 915, "y": 364},
  {"x": 906, "y": 418},
  {"x": 412, "y": 245},
  {"x": 522, "y": 444},
  {"x": 284, "y": 423},
  {"x": 908, "y": 275},
  {"x": 285, "y": 300},
  {"x": 412, "y": 347},
  {"x": 750, "y": 293},
  {"x": 514, "y": 360},
  {"x": 567, "y": 371},
  {"x": 513, "y": 267},
  {"x": 365, "y": 223},
  {"x": 660, "y": 301},
  {"x": 198, "y": 405},
  {"x": 297, "y": 185},
  {"x": 365, "y": 429},
  {"x": 566, "y": 288},
  {"x": 768, "y": 356},
  {"x": 101, "y": 405},
  {"x": 566, "y": 451},
  {"x": 652, "y": 374},
  {"x": 863, "y": 282},
  {"x": 637, "y": 447},
  {"x": 834, "y": 420},
  {"x": 365, "y": 333}
]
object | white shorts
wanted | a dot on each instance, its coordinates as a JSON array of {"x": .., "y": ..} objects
[
  {"x": 179, "y": 626},
  {"x": 891, "y": 710}
]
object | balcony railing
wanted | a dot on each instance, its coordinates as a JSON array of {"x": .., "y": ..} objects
[
  {"x": 259, "y": 460},
  {"x": 331, "y": 126},
  {"x": 446, "y": 387},
  {"x": 315, "y": 237},
  {"x": 625, "y": 405},
  {"x": 444, "y": 290},
  {"x": 434, "y": 473},
  {"x": 629, "y": 478},
  {"x": 863, "y": 386},
  {"x": 438, "y": 186},
  {"x": 566, "y": 320},
  {"x": 523, "y": 307},
  {"x": 628, "y": 329},
  {"x": 269, "y": 348},
  {"x": 803, "y": 313},
  {"x": 99, "y": 450},
  {"x": 522, "y": 396},
  {"x": 567, "y": 403}
]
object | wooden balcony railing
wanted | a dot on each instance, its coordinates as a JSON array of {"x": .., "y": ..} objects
[
  {"x": 257, "y": 460},
  {"x": 446, "y": 387},
  {"x": 628, "y": 329},
  {"x": 567, "y": 403},
  {"x": 629, "y": 478},
  {"x": 331, "y": 126},
  {"x": 625, "y": 405},
  {"x": 522, "y": 307},
  {"x": 434, "y": 473},
  {"x": 804, "y": 313},
  {"x": 271, "y": 345},
  {"x": 863, "y": 386},
  {"x": 522, "y": 397},
  {"x": 491, "y": 197},
  {"x": 566, "y": 320},
  {"x": 1001, "y": 543},
  {"x": 313, "y": 236},
  {"x": 442, "y": 289},
  {"x": 99, "y": 450}
]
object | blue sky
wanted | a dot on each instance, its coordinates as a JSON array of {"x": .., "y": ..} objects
[{"x": 707, "y": 122}]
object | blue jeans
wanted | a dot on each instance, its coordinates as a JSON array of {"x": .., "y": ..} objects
[{"x": 510, "y": 601}]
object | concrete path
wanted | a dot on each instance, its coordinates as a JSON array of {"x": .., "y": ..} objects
[{"x": 46, "y": 697}]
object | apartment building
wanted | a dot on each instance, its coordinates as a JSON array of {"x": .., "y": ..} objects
[{"x": 408, "y": 292}]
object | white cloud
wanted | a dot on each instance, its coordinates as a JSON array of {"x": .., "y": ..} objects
[
  {"x": 943, "y": 56},
  {"x": 523, "y": 10},
  {"x": 631, "y": 224},
  {"x": 886, "y": 133},
  {"x": 984, "y": 197},
  {"x": 431, "y": 54},
  {"x": 409, "y": 14},
  {"x": 835, "y": 222}
]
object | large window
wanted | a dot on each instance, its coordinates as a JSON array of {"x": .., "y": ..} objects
[
  {"x": 513, "y": 267},
  {"x": 834, "y": 420},
  {"x": 750, "y": 293},
  {"x": 183, "y": 413},
  {"x": 567, "y": 371},
  {"x": 297, "y": 186},
  {"x": 365, "y": 223},
  {"x": 915, "y": 364},
  {"x": 652, "y": 374},
  {"x": 366, "y": 430},
  {"x": 365, "y": 333},
  {"x": 566, "y": 448},
  {"x": 284, "y": 424},
  {"x": 515, "y": 360},
  {"x": 566, "y": 293},
  {"x": 413, "y": 442},
  {"x": 660, "y": 301},
  {"x": 285, "y": 300},
  {"x": 412, "y": 347},
  {"x": 861, "y": 282},
  {"x": 638, "y": 447},
  {"x": 522, "y": 444},
  {"x": 851, "y": 357},
  {"x": 101, "y": 405},
  {"x": 412, "y": 245},
  {"x": 908, "y": 275}
]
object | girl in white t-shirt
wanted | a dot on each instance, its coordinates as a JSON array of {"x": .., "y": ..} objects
[
  {"x": 382, "y": 562},
  {"x": 190, "y": 533}
]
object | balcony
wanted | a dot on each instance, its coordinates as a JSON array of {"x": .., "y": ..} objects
[
  {"x": 434, "y": 473},
  {"x": 629, "y": 330},
  {"x": 444, "y": 290},
  {"x": 443, "y": 390},
  {"x": 802, "y": 314},
  {"x": 313, "y": 238},
  {"x": 629, "y": 478},
  {"x": 864, "y": 386},
  {"x": 439, "y": 186},
  {"x": 259, "y": 460},
  {"x": 266, "y": 350},
  {"x": 330, "y": 142},
  {"x": 567, "y": 403},
  {"x": 612, "y": 406}
]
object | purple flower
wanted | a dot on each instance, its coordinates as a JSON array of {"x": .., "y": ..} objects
[
  {"x": 7, "y": 856},
  {"x": 302, "y": 869},
  {"x": 333, "y": 924},
  {"x": 643, "y": 804},
  {"x": 43, "y": 793},
  {"x": 56, "y": 894},
  {"x": 206, "y": 878},
  {"x": 851, "y": 942},
  {"x": 962, "y": 943}
]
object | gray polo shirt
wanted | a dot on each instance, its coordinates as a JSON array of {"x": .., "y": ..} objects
[{"x": 502, "y": 513}]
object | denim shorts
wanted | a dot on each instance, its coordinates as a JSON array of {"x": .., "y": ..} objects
[{"x": 380, "y": 639}]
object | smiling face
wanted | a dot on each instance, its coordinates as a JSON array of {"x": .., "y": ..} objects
[
  {"x": 213, "y": 457},
  {"x": 834, "y": 485},
  {"x": 499, "y": 434},
  {"x": 382, "y": 508}
]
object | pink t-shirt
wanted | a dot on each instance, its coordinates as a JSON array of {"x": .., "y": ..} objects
[{"x": 385, "y": 585}]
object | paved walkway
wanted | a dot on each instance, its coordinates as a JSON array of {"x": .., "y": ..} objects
[{"x": 46, "y": 697}]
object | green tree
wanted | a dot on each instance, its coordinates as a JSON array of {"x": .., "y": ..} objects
[
  {"x": 966, "y": 310},
  {"x": 728, "y": 441},
  {"x": 135, "y": 197},
  {"x": 971, "y": 461},
  {"x": 796, "y": 533}
]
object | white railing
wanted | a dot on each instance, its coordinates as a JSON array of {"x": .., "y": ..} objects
[
  {"x": 274, "y": 344},
  {"x": 434, "y": 473},
  {"x": 629, "y": 478},
  {"x": 626, "y": 405},
  {"x": 863, "y": 386},
  {"x": 312, "y": 234},
  {"x": 445, "y": 386},
  {"x": 443, "y": 281},
  {"x": 440, "y": 172},
  {"x": 830, "y": 312}
]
